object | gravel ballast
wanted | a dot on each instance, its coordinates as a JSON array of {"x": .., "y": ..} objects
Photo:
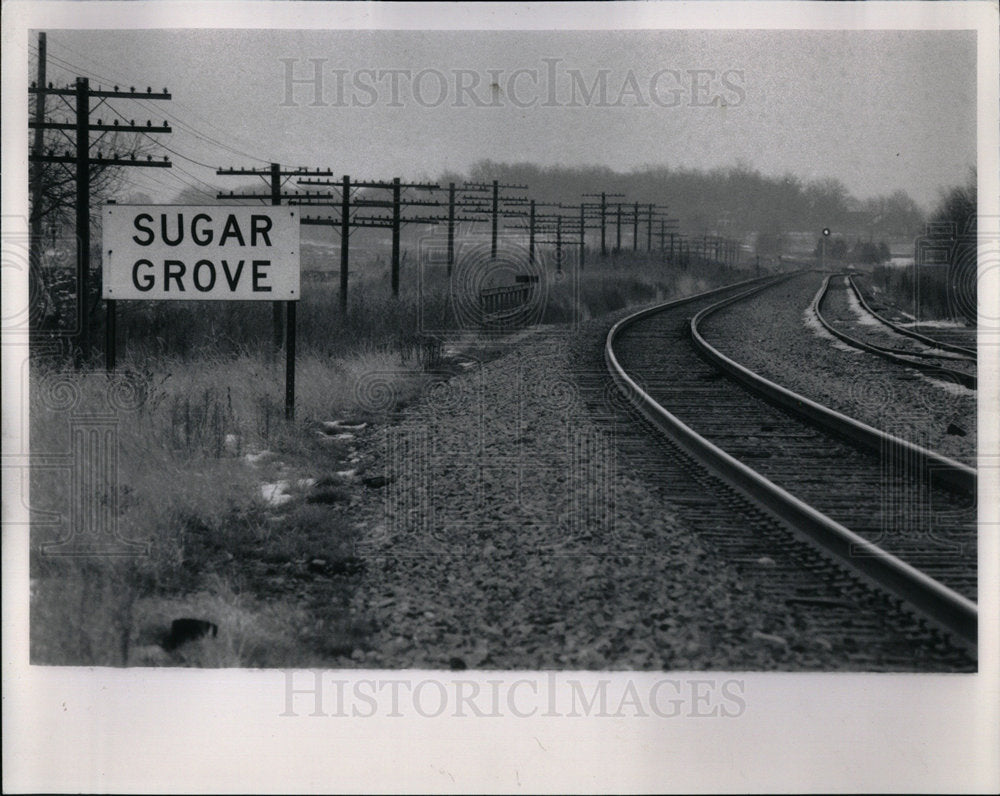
[
  {"x": 512, "y": 533},
  {"x": 777, "y": 335}
]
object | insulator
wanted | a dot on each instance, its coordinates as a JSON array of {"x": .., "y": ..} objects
[
  {"x": 50, "y": 84},
  {"x": 148, "y": 123},
  {"x": 149, "y": 158},
  {"x": 149, "y": 90},
  {"x": 131, "y": 88},
  {"x": 100, "y": 122}
]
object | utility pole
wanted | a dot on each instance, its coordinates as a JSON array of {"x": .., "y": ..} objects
[
  {"x": 649, "y": 228},
  {"x": 395, "y": 236},
  {"x": 531, "y": 234},
  {"x": 495, "y": 206},
  {"x": 604, "y": 210},
  {"x": 82, "y": 160},
  {"x": 635, "y": 228},
  {"x": 618, "y": 230},
  {"x": 559, "y": 259},
  {"x": 451, "y": 227},
  {"x": 393, "y": 222},
  {"x": 583, "y": 234},
  {"x": 495, "y": 214},
  {"x": 272, "y": 175},
  {"x": 37, "y": 172},
  {"x": 83, "y": 211},
  {"x": 277, "y": 315},
  {"x": 345, "y": 234}
]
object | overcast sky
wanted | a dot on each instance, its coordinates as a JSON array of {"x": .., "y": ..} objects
[{"x": 880, "y": 111}]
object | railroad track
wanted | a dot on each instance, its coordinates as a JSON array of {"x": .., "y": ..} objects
[
  {"x": 914, "y": 350},
  {"x": 954, "y": 340},
  {"x": 897, "y": 516}
]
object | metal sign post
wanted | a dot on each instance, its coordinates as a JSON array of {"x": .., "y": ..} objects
[{"x": 203, "y": 253}]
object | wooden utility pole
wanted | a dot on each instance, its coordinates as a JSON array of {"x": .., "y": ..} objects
[
  {"x": 495, "y": 216},
  {"x": 82, "y": 160},
  {"x": 345, "y": 234},
  {"x": 451, "y": 227},
  {"x": 604, "y": 210},
  {"x": 276, "y": 313},
  {"x": 37, "y": 172},
  {"x": 83, "y": 211},
  {"x": 494, "y": 207},
  {"x": 618, "y": 229},
  {"x": 393, "y": 222},
  {"x": 559, "y": 259},
  {"x": 531, "y": 233},
  {"x": 395, "y": 236}
]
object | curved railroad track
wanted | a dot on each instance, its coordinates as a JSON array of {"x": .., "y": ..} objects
[
  {"x": 954, "y": 340},
  {"x": 913, "y": 350},
  {"x": 900, "y": 517}
]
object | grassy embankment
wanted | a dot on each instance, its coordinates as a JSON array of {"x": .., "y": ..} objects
[
  {"x": 932, "y": 292},
  {"x": 206, "y": 390}
]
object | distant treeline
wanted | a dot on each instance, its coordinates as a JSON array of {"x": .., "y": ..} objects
[
  {"x": 726, "y": 201},
  {"x": 735, "y": 202}
]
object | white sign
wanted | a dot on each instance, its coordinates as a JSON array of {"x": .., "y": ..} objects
[{"x": 211, "y": 252}]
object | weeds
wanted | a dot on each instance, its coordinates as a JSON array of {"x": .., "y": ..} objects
[
  {"x": 929, "y": 292},
  {"x": 204, "y": 389}
]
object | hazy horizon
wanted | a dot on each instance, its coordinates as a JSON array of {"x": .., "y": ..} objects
[{"x": 880, "y": 111}]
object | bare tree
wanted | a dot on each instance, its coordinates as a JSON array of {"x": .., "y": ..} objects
[{"x": 55, "y": 201}]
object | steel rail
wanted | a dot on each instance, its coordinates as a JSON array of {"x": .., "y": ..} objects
[
  {"x": 890, "y": 354},
  {"x": 946, "y": 608},
  {"x": 955, "y": 475},
  {"x": 957, "y": 349}
]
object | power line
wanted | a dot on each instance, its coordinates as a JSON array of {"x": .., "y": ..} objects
[
  {"x": 75, "y": 68},
  {"x": 190, "y": 110}
]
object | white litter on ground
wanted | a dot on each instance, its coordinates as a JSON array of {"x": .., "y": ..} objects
[
  {"x": 332, "y": 426},
  {"x": 253, "y": 458},
  {"x": 810, "y": 320},
  {"x": 864, "y": 317},
  {"x": 959, "y": 390},
  {"x": 346, "y": 473},
  {"x": 275, "y": 494},
  {"x": 936, "y": 324}
]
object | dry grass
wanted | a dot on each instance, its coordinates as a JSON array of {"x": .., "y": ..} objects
[{"x": 205, "y": 390}]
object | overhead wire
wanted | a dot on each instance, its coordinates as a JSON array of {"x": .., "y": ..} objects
[{"x": 186, "y": 126}]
